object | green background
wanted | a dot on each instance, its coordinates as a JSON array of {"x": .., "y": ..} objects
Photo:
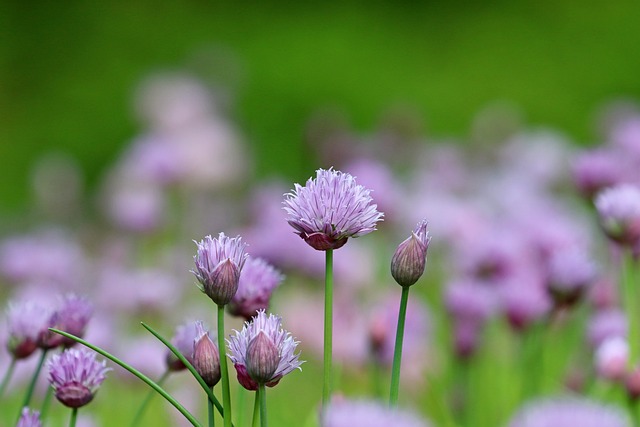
[{"x": 68, "y": 69}]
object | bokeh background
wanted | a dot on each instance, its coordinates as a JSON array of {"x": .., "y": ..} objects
[{"x": 68, "y": 70}]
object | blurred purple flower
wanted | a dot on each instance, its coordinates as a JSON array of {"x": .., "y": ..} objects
[
  {"x": 76, "y": 375},
  {"x": 569, "y": 273},
  {"x": 25, "y": 322},
  {"x": 257, "y": 282},
  {"x": 29, "y": 418},
  {"x": 611, "y": 358},
  {"x": 183, "y": 340},
  {"x": 268, "y": 328},
  {"x": 72, "y": 315},
  {"x": 606, "y": 324},
  {"x": 363, "y": 413},
  {"x": 469, "y": 300},
  {"x": 569, "y": 411},
  {"x": 219, "y": 263},
  {"x": 524, "y": 302},
  {"x": 331, "y": 208},
  {"x": 595, "y": 170},
  {"x": 619, "y": 211}
]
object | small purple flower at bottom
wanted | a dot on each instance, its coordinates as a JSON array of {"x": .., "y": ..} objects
[
  {"x": 262, "y": 352},
  {"x": 569, "y": 411},
  {"x": 329, "y": 209},
  {"x": 29, "y": 418},
  {"x": 75, "y": 376},
  {"x": 363, "y": 413}
]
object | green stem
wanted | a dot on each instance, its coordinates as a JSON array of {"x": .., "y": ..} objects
[
  {"x": 46, "y": 403},
  {"x": 226, "y": 395},
  {"x": 34, "y": 380},
  {"x": 629, "y": 292},
  {"x": 212, "y": 421},
  {"x": 7, "y": 376},
  {"x": 74, "y": 416},
  {"x": 135, "y": 372},
  {"x": 376, "y": 377},
  {"x": 256, "y": 410},
  {"x": 137, "y": 419},
  {"x": 241, "y": 398},
  {"x": 262, "y": 392},
  {"x": 397, "y": 352},
  {"x": 328, "y": 327},
  {"x": 188, "y": 364}
]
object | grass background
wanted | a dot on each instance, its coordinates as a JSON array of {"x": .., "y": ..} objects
[{"x": 68, "y": 69}]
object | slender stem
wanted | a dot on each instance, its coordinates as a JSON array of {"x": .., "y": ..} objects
[
  {"x": 397, "y": 352},
  {"x": 376, "y": 377},
  {"x": 328, "y": 327},
  {"x": 46, "y": 403},
  {"x": 262, "y": 392},
  {"x": 629, "y": 292},
  {"x": 212, "y": 421},
  {"x": 34, "y": 380},
  {"x": 256, "y": 410},
  {"x": 226, "y": 395},
  {"x": 135, "y": 372},
  {"x": 241, "y": 398},
  {"x": 137, "y": 419},
  {"x": 74, "y": 415},
  {"x": 7, "y": 376}
]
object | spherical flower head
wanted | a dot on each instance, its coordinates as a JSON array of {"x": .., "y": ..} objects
[
  {"x": 72, "y": 316},
  {"x": 25, "y": 321},
  {"x": 219, "y": 262},
  {"x": 257, "y": 282},
  {"x": 410, "y": 258},
  {"x": 75, "y": 376},
  {"x": 596, "y": 169},
  {"x": 183, "y": 340},
  {"x": 568, "y": 411},
  {"x": 606, "y": 324},
  {"x": 619, "y": 211},
  {"x": 206, "y": 358},
  {"x": 252, "y": 351},
  {"x": 611, "y": 359},
  {"x": 29, "y": 418},
  {"x": 363, "y": 413},
  {"x": 329, "y": 209},
  {"x": 569, "y": 273}
]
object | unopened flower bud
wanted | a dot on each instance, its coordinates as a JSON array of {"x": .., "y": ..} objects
[
  {"x": 206, "y": 359},
  {"x": 262, "y": 358},
  {"x": 410, "y": 258}
]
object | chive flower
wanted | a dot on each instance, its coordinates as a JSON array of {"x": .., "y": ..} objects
[
  {"x": 29, "y": 418},
  {"x": 410, "y": 258},
  {"x": 330, "y": 209},
  {"x": 257, "y": 282},
  {"x": 206, "y": 358}
]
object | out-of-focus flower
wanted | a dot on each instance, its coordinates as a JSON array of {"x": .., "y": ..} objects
[
  {"x": 76, "y": 375},
  {"x": 619, "y": 211},
  {"x": 569, "y": 273},
  {"x": 606, "y": 324},
  {"x": 72, "y": 316},
  {"x": 331, "y": 208},
  {"x": 524, "y": 302},
  {"x": 410, "y": 258},
  {"x": 632, "y": 383},
  {"x": 468, "y": 300},
  {"x": 364, "y": 413},
  {"x": 569, "y": 411},
  {"x": 219, "y": 263},
  {"x": 183, "y": 339},
  {"x": 25, "y": 322},
  {"x": 261, "y": 337},
  {"x": 257, "y": 282},
  {"x": 206, "y": 358},
  {"x": 611, "y": 358},
  {"x": 134, "y": 206},
  {"x": 596, "y": 170},
  {"x": 29, "y": 418}
]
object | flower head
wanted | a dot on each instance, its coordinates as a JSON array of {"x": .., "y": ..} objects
[
  {"x": 206, "y": 358},
  {"x": 258, "y": 347},
  {"x": 364, "y": 413},
  {"x": 257, "y": 281},
  {"x": 410, "y": 258},
  {"x": 29, "y": 418},
  {"x": 219, "y": 262},
  {"x": 567, "y": 411},
  {"x": 569, "y": 273},
  {"x": 619, "y": 211},
  {"x": 331, "y": 208},
  {"x": 76, "y": 375},
  {"x": 25, "y": 321},
  {"x": 182, "y": 339},
  {"x": 71, "y": 316}
]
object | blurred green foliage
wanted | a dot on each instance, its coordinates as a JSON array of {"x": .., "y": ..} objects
[{"x": 68, "y": 69}]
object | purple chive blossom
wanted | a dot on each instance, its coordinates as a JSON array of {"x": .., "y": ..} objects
[
  {"x": 619, "y": 211},
  {"x": 219, "y": 262},
  {"x": 29, "y": 418},
  {"x": 25, "y": 321},
  {"x": 331, "y": 208},
  {"x": 595, "y": 170},
  {"x": 182, "y": 339},
  {"x": 567, "y": 411},
  {"x": 569, "y": 273},
  {"x": 206, "y": 358},
  {"x": 263, "y": 352},
  {"x": 72, "y": 316},
  {"x": 75, "y": 376},
  {"x": 606, "y": 324},
  {"x": 611, "y": 359},
  {"x": 343, "y": 413},
  {"x": 257, "y": 281},
  {"x": 410, "y": 258}
]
